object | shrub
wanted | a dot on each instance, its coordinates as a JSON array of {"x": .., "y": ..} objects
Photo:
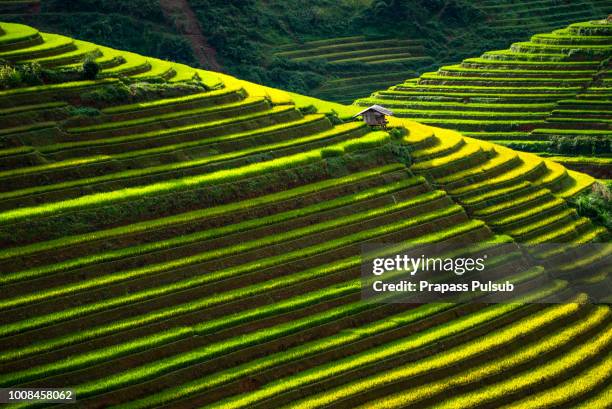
[
  {"x": 310, "y": 109},
  {"x": 584, "y": 145},
  {"x": 596, "y": 204},
  {"x": 31, "y": 73},
  {"x": 83, "y": 111},
  {"x": 331, "y": 152},
  {"x": 21, "y": 75},
  {"x": 107, "y": 94},
  {"x": 398, "y": 133},
  {"x": 90, "y": 69},
  {"x": 9, "y": 77},
  {"x": 334, "y": 118}
]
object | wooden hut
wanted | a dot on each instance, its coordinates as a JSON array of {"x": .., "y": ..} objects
[{"x": 375, "y": 116}]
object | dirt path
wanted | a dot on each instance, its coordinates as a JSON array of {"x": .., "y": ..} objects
[{"x": 179, "y": 12}]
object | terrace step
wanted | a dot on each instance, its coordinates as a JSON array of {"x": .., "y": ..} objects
[
  {"x": 462, "y": 71},
  {"x": 465, "y": 157},
  {"x": 136, "y": 390},
  {"x": 366, "y": 54},
  {"x": 502, "y": 81},
  {"x": 26, "y": 39},
  {"x": 499, "y": 162},
  {"x": 209, "y": 159},
  {"x": 195, "y": 258},
  {"x": 170, "y": 120},
  {"x": 488, "y": 89},
  {"x": 527, "y": 216},
  {"x": 438, "y": 150},
  {"x": 187, "y": 223},
  {"x": 177, "y": 245},
  {"x": 234, "y": 306},
  {"x": 517, "y": 204},
  {"x": 464, "y": 106},
  {"x": 181, "y": 134},
  {"x": 82, "y": 51},
  {"x": 568, "y": 66},
  {"x": 497, "y": 196},
  {"x": 402, "y": 358},
  {"x": 525, "y": 370},
  {"x": 582, "y": 124},
  {"x": 30, "y": 115},
  {"x": 563, "y": 233},
  {"x": 498, "y": 136},
  {"x": 526, "y": 171},
  {"x": 53, "y": 44},
  {"x": 158, "y": 107},
  {"x": 48, "y": 93},
  {"x": 419, "y": 115}
]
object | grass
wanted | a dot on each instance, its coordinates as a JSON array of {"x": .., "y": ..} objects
[
  {"x": 492, "y": 89},
  {"x": 373, "y": 355},
  {"x": 165, "y": 117},
  {"x": 492, "y": 210},
  {"x": 192, "y": 182},
  {"x": 171, "y": 335},
  {"x": 501, "y": 158},
  {"x": 526, "y": 229},
  {"x": 119, "y": 109},
  {"x": 462, "y": 353},
  {"x": 56, "y": 87},
  {"x": 14, "y": 33},
  {"x": 212, "y": 350},
  {"x": 516, "y": 174},
  {"x": 513, "y": 72},
  {"x": 539, "y": 374},
  {"x": 463, "y": 106},
  {"x": 52, "y": 43},
  {"x": 516, "y": 217},
  {"x": 598, "y": 401},
  {"x": 188, "y": 217},
  {"x": 47, "y": 319},
  {"x": 158, "y": 150},
  {"x": 28, "y": 128},
  {"x": 77, "y": 55},
  {"x": 434, "y": 114},
  {"x": 159, "y": 367},
  {"x": 338, "y": 131},
  {"x": 213, "y": 233},
  {"x": 436, "y": 76},
  {"x": 452, "y": 163},
  {"x": 173, "y": 311},
  {"x": 246, "y": 246},
  {"x": 161, "y": 133},
  {"x": 31, "y": 108},
  {"x": 468, "y": 97},
  {"x": 568, "y": 390},
  {"x": 464, "y": 151}
]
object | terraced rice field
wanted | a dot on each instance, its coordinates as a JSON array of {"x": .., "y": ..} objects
[
  {"x": 540, "y": 15},
  {"x": 204, "y": 251},
  {"x": 555, "y": 85},
  {"x": 385, "y": 61}
]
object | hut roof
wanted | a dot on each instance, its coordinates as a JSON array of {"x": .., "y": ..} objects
[{"x": 377, "y": 108}]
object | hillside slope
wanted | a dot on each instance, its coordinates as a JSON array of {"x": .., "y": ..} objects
[
  {"x": 549, "y": 95},
  {"x": 177, "y": 237},
  {"x": 248, "y": 39}
]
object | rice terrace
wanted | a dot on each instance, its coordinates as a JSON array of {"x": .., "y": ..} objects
[{"x": 192, "y": 194}]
